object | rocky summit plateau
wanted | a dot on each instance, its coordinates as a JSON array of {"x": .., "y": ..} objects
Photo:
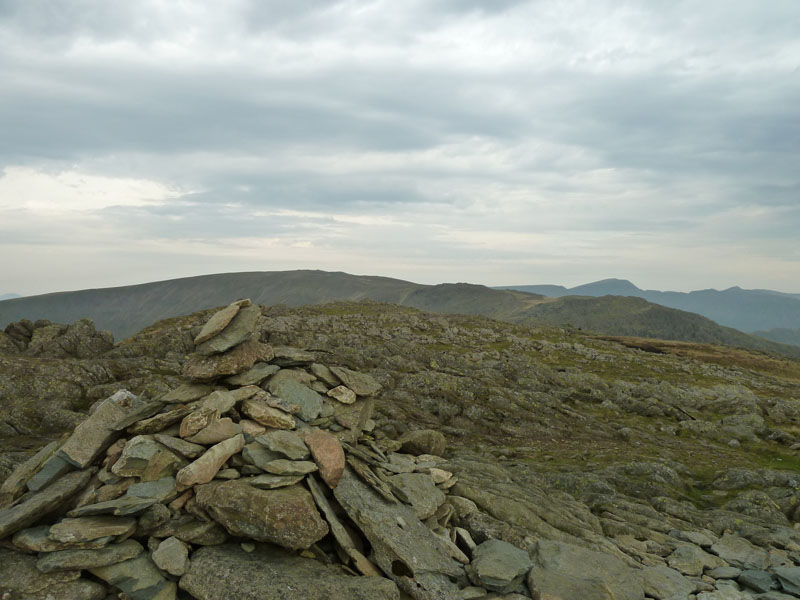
[{"x": 370, "y": 451}]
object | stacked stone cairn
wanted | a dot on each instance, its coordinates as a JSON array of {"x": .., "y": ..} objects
[{"x": 257, "y": 478}]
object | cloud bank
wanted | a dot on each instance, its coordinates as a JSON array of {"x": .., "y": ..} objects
[{"x": 494, "y": 142}]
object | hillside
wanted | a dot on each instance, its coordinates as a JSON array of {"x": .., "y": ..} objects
[
  {"x": 745, "y": 310},
  {"x": 623, "y": 468},
  {"x": 630, "y": 316},
  {"x": 126, "y": 310},
  {"x": 782, "y": 336}
]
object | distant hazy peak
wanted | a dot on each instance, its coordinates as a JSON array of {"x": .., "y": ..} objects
[
  {"x": 615, "y": 287},
  {"x": 9, "y": 296}
]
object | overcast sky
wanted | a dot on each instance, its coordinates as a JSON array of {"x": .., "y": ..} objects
[{"x": 496, "y": 142}]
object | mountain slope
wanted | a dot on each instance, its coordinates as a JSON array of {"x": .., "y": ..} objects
[
  {"x": 782, "y": 336},
  {"x": 746, "y": 310},
  {"x": 126, "y": 310},
  {"x": 629, "y": 316}
]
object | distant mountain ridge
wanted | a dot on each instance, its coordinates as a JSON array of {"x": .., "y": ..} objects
[
  {"x": 126, "y": 310},
  {"x": 9, "y": 296},
  {"x": 746, "y": 310}
]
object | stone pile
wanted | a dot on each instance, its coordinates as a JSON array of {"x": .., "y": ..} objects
[{"x": 256, "y": 478}]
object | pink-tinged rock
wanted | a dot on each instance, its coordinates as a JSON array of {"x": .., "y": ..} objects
[
  {"x": 198, "y": 420},
  {"x": 261, "y": 412},
  {"x": 251, "y": 427},
  {"x": 327, "y": 453},
  {"x": 218, "y": 430},
  {"x": 343, "y": 394},
  {"x": 204, "y": 468}
]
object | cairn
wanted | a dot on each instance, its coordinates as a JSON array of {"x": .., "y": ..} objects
[{"x": 256, "y": 477}]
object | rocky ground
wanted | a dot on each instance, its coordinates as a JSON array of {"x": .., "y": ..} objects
[{"x": 569, "y": 466}]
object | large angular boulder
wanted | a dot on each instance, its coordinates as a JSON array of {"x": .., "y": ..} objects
[
  {"x": 565, "y": 572},
  {"x": 285, "y": 516},
  {"x": 269, "y": 573}
]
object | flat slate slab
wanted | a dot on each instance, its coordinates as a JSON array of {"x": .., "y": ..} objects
[
  {"x": 96, "y": 433},
  {"x": 269, "y": 573},
  {"x": 401, "y": 543},
  {"x": 40, "y": 504}
]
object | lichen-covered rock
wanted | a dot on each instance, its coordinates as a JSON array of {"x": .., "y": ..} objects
[
  {"x": 286, "y": 516},
  {"x": 268, "y": 573}
]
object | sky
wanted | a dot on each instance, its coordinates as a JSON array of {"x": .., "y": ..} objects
[{"x": 495, "y": 142}]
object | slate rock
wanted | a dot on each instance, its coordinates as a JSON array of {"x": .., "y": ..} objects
[
  {"x": 206, "y": 467},
  {"x": 283, "y": 466},
  {"x": 663, "y": 583},
  {"x": 232, "y": 362},
  {"x": 220, "y": 400},
  {"x": 288, "y": 356},
  {"x": 692, "y": 560},
  {"x": 565, "y": 572},
  {"x": 14, "y": 485},
  {"x": 138, "y": 578},
  {"x": 724, "y": 572},
  {"x": 197, "y": 420},
  {"x": 261, "y": 412},
  {"x": 37, "y": 539},
  {"x": 161, "y": 490},
  {"x": 83, "y": 529},
  {"x": 760, "y": 581},
  {"x": 423, "y": 441},
  {"x": 216, "y": 431},
  {"x": 52, "y": 469},
  {"x": 342, "y": 394},
  {"x": 20, "y": 579},
  {"x": 76, "y": 560},
  {"x": 172, "y": 556},
  {"x": 361, "y": 383},
  {"x": 326, "y": 449},
  {"x": 188, "y": 392},
  {"x": 218, "y": 321},
  {"x": 147, "y": 459},
  {"x": 254, "y": 375},
  {"x": 258, "y": 455},
  {"x": 122, "y": 506},
  {"x": 293, "y": 392},
  {"x": 159, "y": 422},
  {"x": 238, "y": 330},
  {"x": 287, "y": 443},
  {"x": 179, "y": 446},
  {"x": 269, "y": 481},
  {"x": 789, "y": 578},
  {"x": 738, "y": 552},
  {"x": 97, "y": 433},
  {"x": 269, "y": 573},
  {"x": 402, "y": 546},
  {"x": 286, "y": 516},
  {"x": 43, "y": 502},
  {"x": 418, "y": 490},
  {"x": 498, "y": 566}
]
